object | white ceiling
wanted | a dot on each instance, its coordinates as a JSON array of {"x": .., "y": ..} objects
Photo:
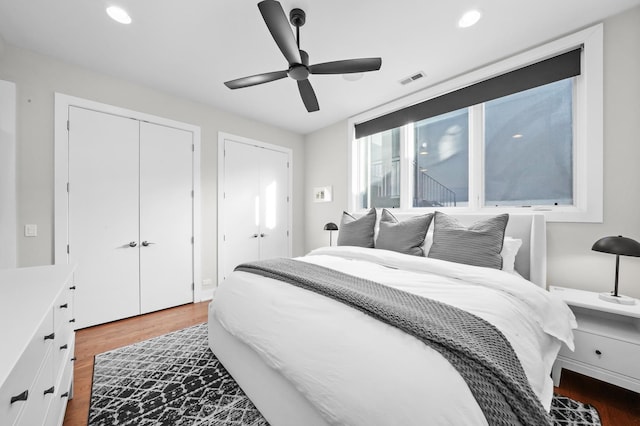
[{"x": 190, "y": 47}]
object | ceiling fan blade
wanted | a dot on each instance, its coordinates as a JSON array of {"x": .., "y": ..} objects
[
  {"x": 278, "y": 25},
  {"x": 347, "y": 66},
  {"x": 255, "y": 79},
  {"x": 308, "y": 95}
]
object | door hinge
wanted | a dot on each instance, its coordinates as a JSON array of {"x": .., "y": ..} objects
[
  {"x": 193, "y": 286},
  {"x": 67, "y": 186},
  {"x": 287, "y": 164},
  {"x": 193, "y": 147},
  {"x": 192, "y": 194},
  {"x": 287, "y": 198},
  {"x": 67, "y": 248},
  {"x": 191, "y": 239},
  {"x": 287, "y": 233},
  {"x": 224, "y": 237},
  {"x": 68, "y": 125}
]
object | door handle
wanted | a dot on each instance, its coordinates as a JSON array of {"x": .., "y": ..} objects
[
  {"x": 133, "y": 244},
  {"x": 254, "y": 236},
  {"x": 146, "y": 243},
  {"x": 263, "y": 235}
]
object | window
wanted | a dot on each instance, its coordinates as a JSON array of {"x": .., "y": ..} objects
[
  {"x": 441, "y": 160},
  {"x": 517, "y": 143},
  {"x": 528, "y": 147}
]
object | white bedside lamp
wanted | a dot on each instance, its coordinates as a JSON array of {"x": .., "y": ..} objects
[{"x": 619, "y": 246}]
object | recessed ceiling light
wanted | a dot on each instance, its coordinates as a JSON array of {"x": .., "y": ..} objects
[
  {"x": 118, "y": 14},
  {"x": 469, "y": 19}
]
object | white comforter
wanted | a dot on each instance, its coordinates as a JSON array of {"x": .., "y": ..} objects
[{"x": 359, "y": 371}]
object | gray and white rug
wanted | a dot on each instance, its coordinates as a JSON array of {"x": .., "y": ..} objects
[{"x": 175, "y": 379}]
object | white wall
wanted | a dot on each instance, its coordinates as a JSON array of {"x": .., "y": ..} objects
[
  {"x": 325, "y": 165},
  {"x": 8, "y": 249},
  {"x": 571, "y": 262},
  {"x": 37, "y": 78}
]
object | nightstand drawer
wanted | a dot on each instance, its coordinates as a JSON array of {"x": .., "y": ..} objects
[{"x": 610, "y": 354}]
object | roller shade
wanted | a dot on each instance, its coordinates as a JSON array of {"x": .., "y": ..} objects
[{"x": 544, "y": 72}]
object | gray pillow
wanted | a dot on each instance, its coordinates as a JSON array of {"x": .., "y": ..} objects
[
  {"x": 357, "y": 232},
  {"x": 404, "y": 237},
  {"x": 479, "y": 244}
]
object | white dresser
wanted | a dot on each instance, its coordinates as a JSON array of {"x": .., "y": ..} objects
[
  {"x": 607, "y": 340},
  {"x": 37, "y": 344}
]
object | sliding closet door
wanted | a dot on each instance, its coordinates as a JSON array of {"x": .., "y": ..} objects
[
  {"x": 166, "y": 184},
  {"x": 103, "y": 215}
]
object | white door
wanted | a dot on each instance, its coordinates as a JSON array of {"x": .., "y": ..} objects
[
  {"x": 255, "y": 204},
  {"x": 166, "y": 184},
  {"x": 103, "y": 215},
  {"x": 274, "y": 211}
]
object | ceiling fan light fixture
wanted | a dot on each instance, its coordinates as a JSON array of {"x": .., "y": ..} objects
[
  {"x": 354, "y": 76},
  {"x": 469, "y": 19},
  {"x": 119, "y": 15}
]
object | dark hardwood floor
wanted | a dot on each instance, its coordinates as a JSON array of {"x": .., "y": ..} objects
[{"x": 617, "y": 407}]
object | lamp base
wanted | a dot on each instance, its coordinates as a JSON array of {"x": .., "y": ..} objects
[{"x": 619, "y": 299}]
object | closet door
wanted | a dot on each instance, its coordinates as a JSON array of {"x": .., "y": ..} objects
[
  {"x": 274, "y": 192},
  {"x": 166, "y": 217},
  {"x": 255, "y": 204},
  {"x": 103, "y": 215},
  {"x": 241, "y": 205}
]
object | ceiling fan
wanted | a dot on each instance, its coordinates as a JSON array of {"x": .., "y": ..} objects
[{"x": 299, "y": 68}]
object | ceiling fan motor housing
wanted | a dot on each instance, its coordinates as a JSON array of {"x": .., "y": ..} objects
[{"x": 297, "y": 17}]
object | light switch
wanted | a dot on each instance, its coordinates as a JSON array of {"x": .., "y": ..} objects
[{"x": 31, "y": 230}]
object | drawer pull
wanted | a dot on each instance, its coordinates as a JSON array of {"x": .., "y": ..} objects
[
  {"x": 72, "y": 320},
  {"x": 73, "y": 359},
  {"x": 63, "y": 346},
  {"x": 64, "y": 395},
  {"x": 50, "y": 336},
  {"x": 50, "y": 390},
  {"x": 22, "y": 397},
  {"x": 598, "y": 352},
  {"x": 64, "y": 306},
  {"x": 73, "y": 287}
]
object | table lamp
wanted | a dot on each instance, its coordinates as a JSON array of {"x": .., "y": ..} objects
[
  {"x": 619, "y": 246},
  {"x": 330, "y": 227}
]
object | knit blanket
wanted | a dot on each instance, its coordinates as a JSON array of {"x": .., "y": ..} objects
[{"x": 477, "y": 349}]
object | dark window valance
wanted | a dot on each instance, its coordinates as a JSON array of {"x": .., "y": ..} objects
[{"x": 544, "y": 72}]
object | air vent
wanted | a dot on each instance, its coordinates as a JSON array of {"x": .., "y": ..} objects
[{"x": 412, "y": 78}]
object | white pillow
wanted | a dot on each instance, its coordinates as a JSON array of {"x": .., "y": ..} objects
[{"x": 510, "y": 247}]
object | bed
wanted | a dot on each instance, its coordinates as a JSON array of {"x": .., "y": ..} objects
[{"x": 306, "y": 359}]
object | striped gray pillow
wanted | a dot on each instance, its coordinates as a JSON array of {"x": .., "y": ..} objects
[
  {"x": 404, "y": 237},
  {"x": 479, "y": 244},
  {"x": 357, "y": 232}
]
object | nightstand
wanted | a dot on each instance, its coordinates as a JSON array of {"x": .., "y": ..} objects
[{"x": 607, "y": 340}]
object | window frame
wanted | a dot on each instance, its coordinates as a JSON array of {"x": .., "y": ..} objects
[{"x": 588, "y": 133}]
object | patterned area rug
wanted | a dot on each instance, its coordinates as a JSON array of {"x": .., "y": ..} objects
[{"x": 175, "y": 379}]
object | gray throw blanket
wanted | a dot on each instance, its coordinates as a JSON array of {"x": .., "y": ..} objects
[{"x": 478, "y": 350}]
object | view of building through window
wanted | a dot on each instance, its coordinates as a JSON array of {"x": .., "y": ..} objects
[{"x": 527, "y": 145}]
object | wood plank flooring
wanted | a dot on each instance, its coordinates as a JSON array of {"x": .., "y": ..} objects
[
  {"x": 101, "y": 338},
  {"x": 617, "y": 407}
]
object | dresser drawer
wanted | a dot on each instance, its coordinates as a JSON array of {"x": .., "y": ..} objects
[
  {"x": 63, "y": 347},
  {"x": 22, "y": 376},
  {"x": 63, "y": 308},
  {"x": 603, "y": 352},
  {"x": 40, "y": 396},
  {"x": 55, "y": 416}
]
